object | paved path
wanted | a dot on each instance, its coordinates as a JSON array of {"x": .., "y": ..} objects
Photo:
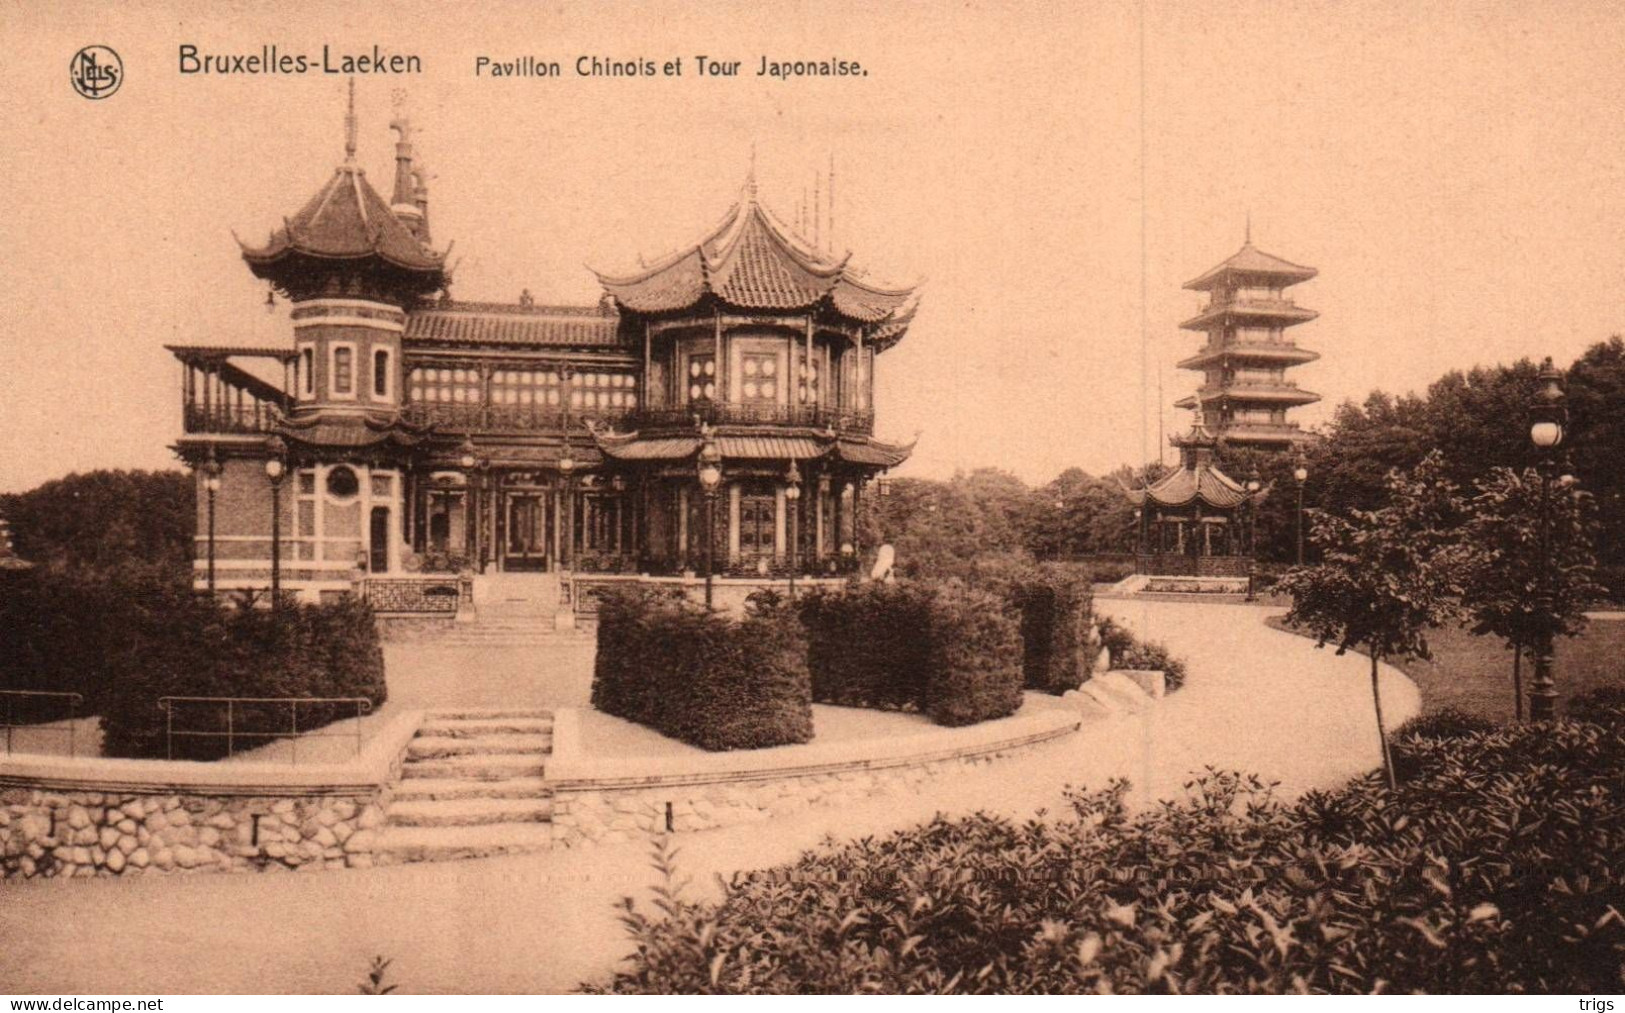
[{"x": 1258, "y": 699}]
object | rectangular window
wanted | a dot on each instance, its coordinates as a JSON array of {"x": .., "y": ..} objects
[
  {"x": 307, "y": 371},
  {"x": 442, "y": 385},
  {"x": 760, "y": 383},
  {"x": 380, "y": 373},
  {"x": 702, "y": 377},
  {"x": 343, "y": 369}
]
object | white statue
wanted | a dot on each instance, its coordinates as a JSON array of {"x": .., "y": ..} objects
[{"x": 885, "y": 565}]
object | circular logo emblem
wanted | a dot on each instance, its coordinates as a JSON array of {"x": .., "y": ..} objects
[{"x": 96, "y": 72}]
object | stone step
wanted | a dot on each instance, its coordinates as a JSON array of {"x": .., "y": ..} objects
[
  {"x": 430, "y": 747},
  {"x": 442, "y": 844},
  {"x": 469, "y": 812},
  {"x": 422, "y": 789},
  {"x": 486, "y": 713},
  {"x": 469, "y": 727},
  {"x": 479, "y": 768}
]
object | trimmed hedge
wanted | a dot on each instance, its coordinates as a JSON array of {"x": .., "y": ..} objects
[
  {"x": 124, "y": 641},
  {"x": 702, "y": 677},
  {"x": 1056, "y": 608},
  {"x": 1494, "y": 868},
  {"x": 944, "y": 650},
  {"x": 1128, "y": 651}
]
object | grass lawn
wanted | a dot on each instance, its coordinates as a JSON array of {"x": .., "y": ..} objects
[{"x": 1474, "y": 674}]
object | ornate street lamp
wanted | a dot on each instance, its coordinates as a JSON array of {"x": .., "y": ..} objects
[
  {"x": 710, "y": 475},
  {"x": 468, "y": 459},
  {"x": 1548, "y": 417},
  {"x": 1301, "y": 473},
  {"x": 275, "y": 451},
  {"x": 792, "y": 496},
  {"x": 211, "y": 485}
]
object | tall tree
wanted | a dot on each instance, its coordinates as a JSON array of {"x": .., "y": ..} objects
[
  {"x": 1385, "y": 577},
  {"x": 107, "y": 520},
  {"x": 1511, "y": 589}
]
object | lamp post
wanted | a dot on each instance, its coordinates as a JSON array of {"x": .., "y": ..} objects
[
  {"x": 274, "y": 467},
  {"x": 1547, "y": 414},
  {"x": 567, "y": 467},
  {"x": 468, "y": 459},
  {"x": 211, "y": 485},
  {"x": 1301, "y": 473},
  {"x": 1253, "y": 486},
  {"x": 792, "y": 496},
  {"x": 710, "y": 475}
]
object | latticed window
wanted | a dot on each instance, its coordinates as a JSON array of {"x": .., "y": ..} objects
[
  {"x": 603, "y": 390},
  {"x": 806, "y": 378},
  {"x": 702, "y": 377},
  {"x": 380, "y": 373},
  {"x": 526, "y": 387},
  {"x": 761, "y": 380},
  {"x": 756, "y": 525},
  {"x": 446, "y": 385}
]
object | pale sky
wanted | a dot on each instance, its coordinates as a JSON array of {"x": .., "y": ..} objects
[{"x": 1454, "y": 171}]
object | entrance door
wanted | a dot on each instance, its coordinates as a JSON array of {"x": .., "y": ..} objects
[
  {"x": 527, "y": 530},
  {"x": 378, "y": 544}
]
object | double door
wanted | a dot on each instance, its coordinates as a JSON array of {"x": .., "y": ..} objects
[{"x": 529, "y": 519}]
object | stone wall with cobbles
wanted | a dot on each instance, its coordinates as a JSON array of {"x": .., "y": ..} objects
[{"x": 51, "y": 835}]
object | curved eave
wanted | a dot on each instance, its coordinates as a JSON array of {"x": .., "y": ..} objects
[
  {"x": 1249, "y": 353},
  {"x": 1257, "y": 395},
  {"x": 1283, "y": 314},
  {"x": 268, "y": 258}
]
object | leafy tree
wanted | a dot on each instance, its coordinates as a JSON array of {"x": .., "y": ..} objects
[
  {"x": 1505, "y": 587},
  {"x": 1385, "y": 577},
  {"x": 105, "y": 521}
]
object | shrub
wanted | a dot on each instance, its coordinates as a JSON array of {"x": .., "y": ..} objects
[
  {"x": 184, "y": 645},
  {"x": 945, "y": 650},
  {"x": 1493, "y": 869},
  {"x": 1129, "y": 652},
  {"x": 703, "y": 677},
  {"x": 1055, "y": 608}
]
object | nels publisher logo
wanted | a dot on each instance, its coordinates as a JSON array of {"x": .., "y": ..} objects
[{"x": 96, "y": 72}]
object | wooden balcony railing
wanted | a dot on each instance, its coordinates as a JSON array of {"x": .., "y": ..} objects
[
  {"x": 258, "y": 417},
  {"x": 738, "y": 413},
  {"x": 485, "y": 418}
]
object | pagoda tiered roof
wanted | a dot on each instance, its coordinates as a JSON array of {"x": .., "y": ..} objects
[
  {"x": 1259, "y": 393},
  {"x": 345, "y": 220},
  {"x": 748, "y": 445},
  {"x": 1251, "y": 262},
  {"x": 752, "y": 262},
  {"x": 1275, "y": 353}
]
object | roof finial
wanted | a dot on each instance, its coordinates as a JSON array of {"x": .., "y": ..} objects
[
  {"x": 1249, "y": 237},
  {"x": 750, "y": 180},
  {"x": 349, "y": 127}
]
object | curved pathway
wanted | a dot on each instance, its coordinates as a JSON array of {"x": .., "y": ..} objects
[{"x": 1258, "y": 700}]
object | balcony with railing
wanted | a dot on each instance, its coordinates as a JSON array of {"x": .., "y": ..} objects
[
  {"x": 474, "y": 417},
  {"x": 257, "y": 417}
]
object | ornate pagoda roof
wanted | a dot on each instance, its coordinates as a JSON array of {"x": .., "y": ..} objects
[
  {"x": 349, "y": 433},
  {"x": 1251, "y": 262},
  {"x": 346, "y": 221},
  {"x": 753, "y": 262},
  {"x": 1197, "y": 478},
  {"x": 750, "y": 446}
]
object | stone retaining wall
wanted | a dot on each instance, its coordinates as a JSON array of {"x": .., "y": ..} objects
[
  {"x": 63, "y": 817},
  {"x": 606, "y": 801},
  {"x": 47, "y": 834}
]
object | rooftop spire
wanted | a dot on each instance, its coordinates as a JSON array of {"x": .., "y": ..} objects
[
  {"x": 349, "y": 127},
  {"x": 1248, "y": 241},
  {"x": 750, "y": 180}
]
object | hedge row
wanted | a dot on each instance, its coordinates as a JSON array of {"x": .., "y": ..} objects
[
  {"x": 1056, "y": 609},
  {"x": 945, "y": 650},
  {"x": 702, "y": 677},
  {"x": 1493, "y": 869},
  {"x": 1128, "y": 651},
  {"x": 124, "y": 643}
]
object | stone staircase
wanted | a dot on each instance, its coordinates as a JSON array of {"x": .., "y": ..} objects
[
  {"x": 511, "y": 610},
  {"x": 472, "y": 786}
]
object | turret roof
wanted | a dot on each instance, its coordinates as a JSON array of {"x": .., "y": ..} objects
[{"x": 1253, "y": 262}]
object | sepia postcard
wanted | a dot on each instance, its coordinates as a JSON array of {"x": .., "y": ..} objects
[{"x": 811, "y": 497}]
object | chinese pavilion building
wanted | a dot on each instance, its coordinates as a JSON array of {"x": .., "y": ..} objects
[
  {"x": 1245, "y": 394},
  {"x": 402, "y": 433},
  {"x": 1196, "y": 520}
]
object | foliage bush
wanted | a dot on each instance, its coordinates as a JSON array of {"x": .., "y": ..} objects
[
  {"x": 1056, "y": 608},
  {"x": 184, "y": 645},
  {"x": 945, "y": 650},
  {"x": 1492, "y": 868},
  {"x": 702, "y": 677},
  {"x": 1129, "y": 652},
  {"x": 125, "y": 638}
]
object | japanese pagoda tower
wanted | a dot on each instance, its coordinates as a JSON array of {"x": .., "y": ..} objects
[{"x": 1245, "y": 394}]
